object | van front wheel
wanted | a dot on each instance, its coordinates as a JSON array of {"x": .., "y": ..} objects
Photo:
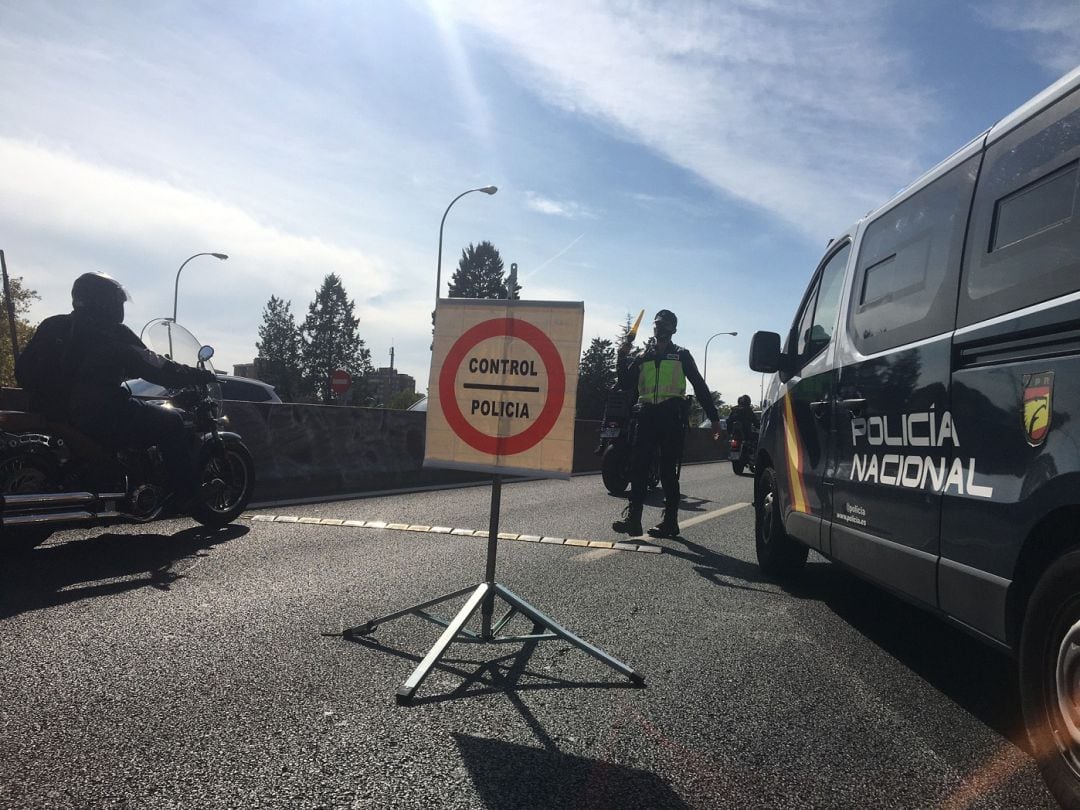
[
  {"x": 778, "y": 554},
  {"x": 1050, "y": 677}
]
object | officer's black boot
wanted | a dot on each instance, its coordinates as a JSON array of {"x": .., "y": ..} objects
[
  {"x": 669, "y": 526},
  {"x": 631, "y": 520}
]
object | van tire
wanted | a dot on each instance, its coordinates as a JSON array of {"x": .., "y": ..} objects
[
  {"x": 778, "y": 554},
  {"x": 1049, "y": 638}
]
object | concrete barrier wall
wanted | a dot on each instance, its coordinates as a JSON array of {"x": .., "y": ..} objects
[
  {"x": 303, "y": 450},
  {"x": 309, "y": 450}
]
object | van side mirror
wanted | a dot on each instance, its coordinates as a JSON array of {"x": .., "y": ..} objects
[{"x": 765, "y": 353}]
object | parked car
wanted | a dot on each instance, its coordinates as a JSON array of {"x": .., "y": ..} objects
[
  {"x": 239, "y": 389},
  {"x": 419, "y": 405}
]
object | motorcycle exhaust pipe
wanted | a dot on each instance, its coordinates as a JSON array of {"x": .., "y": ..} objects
[
  {"x": 53, "y": 518},
  {"x": 48, "y": 500}
]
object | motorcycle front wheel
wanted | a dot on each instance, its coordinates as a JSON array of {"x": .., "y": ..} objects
[
  {"x": 615, "y": 468},
  {"x": 234, "y": 466}
]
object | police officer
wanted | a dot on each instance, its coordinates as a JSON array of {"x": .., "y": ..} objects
[
  {"x": 74, "y": 366},
  {"x": 743, "y": 419},
  {"x": 659, "y": 376}
]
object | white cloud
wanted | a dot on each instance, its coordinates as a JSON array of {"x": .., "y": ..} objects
[
  {"x": 95, "y": 217},
  {"x": 742, "y": 94},
  {"x": 561, "y": 208},
  {"x": 1052, "y": 28}
]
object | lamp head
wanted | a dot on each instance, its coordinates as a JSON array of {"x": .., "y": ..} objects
[
  {"x": 220, "y": 255},
  {"x": 488, "y": 189}
]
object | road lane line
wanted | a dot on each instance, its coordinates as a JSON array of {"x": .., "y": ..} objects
[
  {"x": 727, "y": 510},
  {"x": 639, "y": 544}
]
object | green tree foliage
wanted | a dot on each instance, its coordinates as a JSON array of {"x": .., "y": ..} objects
[
  {"x": 480, "y": 274},
  {"x": 331, "y": 341},
  {"x": 279, "y": 346},
  {"x": 21, "y": 297},
  {"x": 595, "y": 379},
  {"x": 697, "y": 413}
]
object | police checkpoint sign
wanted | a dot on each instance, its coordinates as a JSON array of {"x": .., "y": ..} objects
[{"x": 502, "y": 392}]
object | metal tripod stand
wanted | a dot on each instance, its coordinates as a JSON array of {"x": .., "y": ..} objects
[{"x": 483, "y": 596}]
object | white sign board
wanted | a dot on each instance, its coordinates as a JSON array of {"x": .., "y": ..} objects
[{"x": 503, "y": 387}]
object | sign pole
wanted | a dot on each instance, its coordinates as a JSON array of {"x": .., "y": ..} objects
[{"x": 488, "y": 608}]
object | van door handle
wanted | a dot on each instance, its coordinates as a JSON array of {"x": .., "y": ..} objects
[
  {"x": 820, "y": 408},
  {"x": 854, "y": 405}
]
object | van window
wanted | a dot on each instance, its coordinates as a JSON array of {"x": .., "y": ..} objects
[
  {"x": 817, "y": 319},
  {"x": 909, "y": 262},
  {"x": 1024, "y": 242}
]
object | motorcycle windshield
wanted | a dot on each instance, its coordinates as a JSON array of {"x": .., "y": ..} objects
[{"x": 171, "y": 340}]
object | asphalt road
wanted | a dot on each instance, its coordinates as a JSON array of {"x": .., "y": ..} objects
[{"x": 166, "y": 667}]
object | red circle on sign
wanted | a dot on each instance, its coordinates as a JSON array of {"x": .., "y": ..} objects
[
  {"x": 340, "y": 381},
  {"x": 549, "y": 414}
]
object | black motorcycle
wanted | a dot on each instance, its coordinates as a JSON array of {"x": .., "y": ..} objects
[
  {"x": 617, "y": 430},
  {"x": 52, "y": 476},
  {"x": 742, "y": 449}
]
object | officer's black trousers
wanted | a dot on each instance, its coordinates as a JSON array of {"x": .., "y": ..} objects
[{"x": 659, "y": 430}]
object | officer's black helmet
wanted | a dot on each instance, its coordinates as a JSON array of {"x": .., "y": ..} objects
[
  {"x": 99, "y": 295},
  {"x": 744, "y": 401},
  {"x": 666, "y": 320}
]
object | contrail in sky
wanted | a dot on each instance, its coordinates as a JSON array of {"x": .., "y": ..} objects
[{"x": 542, "y": 265}]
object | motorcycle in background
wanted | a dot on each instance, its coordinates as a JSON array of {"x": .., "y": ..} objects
[
  {"x": 742, "y": 449},
  {"x": 50, "y": 474}
]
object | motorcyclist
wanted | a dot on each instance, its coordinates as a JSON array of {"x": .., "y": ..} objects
[
  {"x": 742, "y": 421},
  {"x": 659, "y": 376},
  {"x": 73, "y": 369}
]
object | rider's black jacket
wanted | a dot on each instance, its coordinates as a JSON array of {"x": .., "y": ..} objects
[
  {"x": 744, "y": 419},
  {"x": 73, "y": 367}
]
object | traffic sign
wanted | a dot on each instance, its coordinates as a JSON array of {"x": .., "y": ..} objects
[
  {"x": 340, "y": 381},
  {"x": 503, "y": 386}
]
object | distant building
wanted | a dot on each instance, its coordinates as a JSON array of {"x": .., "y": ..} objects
[
  {"x": 245, "y": 370},
  {"x": 384, "y": 383}
]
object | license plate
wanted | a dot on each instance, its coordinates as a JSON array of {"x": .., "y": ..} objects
[{"x": 609, "y": 433}]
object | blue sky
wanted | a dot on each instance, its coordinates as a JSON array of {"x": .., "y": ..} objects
[{"x": 695, "y": 156}]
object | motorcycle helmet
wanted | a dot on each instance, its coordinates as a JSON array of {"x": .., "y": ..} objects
[
  {"x": 665, "y": 322},
  {"x": 100, "y": 295},
  {"x": 744, "y": 401}
]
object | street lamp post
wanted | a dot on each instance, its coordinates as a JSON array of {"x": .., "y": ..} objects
[
  {"x": 176, "y": 287},
  {"x": 438, "y": 266},
  {"x": 705, "y": 367}
]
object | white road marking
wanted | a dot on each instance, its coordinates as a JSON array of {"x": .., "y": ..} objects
[{"x": 597, "y": 548}]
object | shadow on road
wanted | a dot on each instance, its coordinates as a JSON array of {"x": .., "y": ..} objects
[
  {"x": 717, "y": 567},
  {"x": 979, "y": 678},
  {"x": 973, "y": 675},
  {"x": 507, "y": 775},
  {"x": 514, "y": 776},
  {"x": 502, "y": 675},
  {"x": 107, "y": 563}
]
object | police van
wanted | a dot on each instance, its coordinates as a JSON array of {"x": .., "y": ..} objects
[{"x": 924, "y": 426}]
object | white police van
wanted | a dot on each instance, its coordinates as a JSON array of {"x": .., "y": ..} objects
[{"x": 924, "y": 430}]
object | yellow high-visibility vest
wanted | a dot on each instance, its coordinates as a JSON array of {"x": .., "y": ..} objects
[{"x": 660, "y": 381}]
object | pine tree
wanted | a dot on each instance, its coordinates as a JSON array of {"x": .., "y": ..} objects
[
  {"x": 21, "y": 297},
  {"x": 330, "y": 340},
  {"x": 595, "y": 379},
  {"x": 480, "y": 274},
  {"x": 278, "y": 358}
]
